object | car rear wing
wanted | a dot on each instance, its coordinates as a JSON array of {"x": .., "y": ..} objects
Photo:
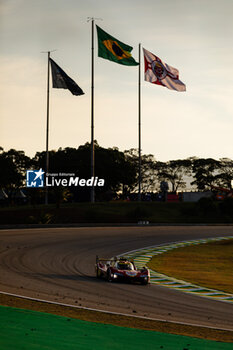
[
  {"x": 112, "y": 259},
  {"x": 103, "y": 260}
]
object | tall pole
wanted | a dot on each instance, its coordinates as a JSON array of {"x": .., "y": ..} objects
[
  {"x": 92, "y": 19},
  {"x": 92, "y": 112},
  {"x": 139, "y": 125},
  {"x": 47, "y": 131}
]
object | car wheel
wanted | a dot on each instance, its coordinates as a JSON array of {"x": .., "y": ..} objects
[
  {"x": 144, "y": 281},
  {"x": 98, "y": 273},
  {"x": 109, "y": 277}
]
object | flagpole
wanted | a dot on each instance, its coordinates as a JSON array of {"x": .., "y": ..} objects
[
  {"x": 92, "y": 111},
  {"x": 139, "y": 125},
  {"x": 47, "y": 131},
  {"x": 92, "y": 19},
  {"x": 47, "y": 126}
]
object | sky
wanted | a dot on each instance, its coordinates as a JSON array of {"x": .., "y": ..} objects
[{"x": 193, "y": 36}]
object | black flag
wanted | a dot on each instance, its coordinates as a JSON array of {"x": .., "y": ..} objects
[{"x": 62, "y": 81}]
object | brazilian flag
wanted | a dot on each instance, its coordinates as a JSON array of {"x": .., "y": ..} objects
[{"x": 114, "y": 50}]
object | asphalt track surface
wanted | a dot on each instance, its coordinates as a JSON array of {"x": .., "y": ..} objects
[{"x": 57, "y": 264}]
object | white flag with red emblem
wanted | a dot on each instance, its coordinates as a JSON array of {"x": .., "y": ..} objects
[{"x": 160, "y": 73}]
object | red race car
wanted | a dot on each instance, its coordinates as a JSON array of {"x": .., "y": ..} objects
[{"x": 121, "y": 269}]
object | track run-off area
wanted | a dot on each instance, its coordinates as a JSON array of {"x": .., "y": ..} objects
[{"x": 58, "y": 265}]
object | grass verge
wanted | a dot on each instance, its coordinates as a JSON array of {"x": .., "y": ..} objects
[
  {"x": 24, "y": 329},
  {"x": 208, "y": 265},
  {"x": 118, "y": 212},
  {"x": 118, "y": 320}
]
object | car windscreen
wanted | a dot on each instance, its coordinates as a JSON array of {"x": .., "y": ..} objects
[{"x": 125, "y": 266}]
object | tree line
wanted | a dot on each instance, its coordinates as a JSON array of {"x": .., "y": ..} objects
[{"x": 119, "y": 169}]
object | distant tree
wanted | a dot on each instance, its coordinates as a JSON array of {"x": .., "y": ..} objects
[
  {"x": 119, "y": 169},
  {"x": 225, "y": 176},
  {"x": 13, "y": 166},
  {"x": 149, "y": 180},
  {"x": 110, "y": 165},
  {"x": 205, "y": 173},
  {"x": 173, "y": 172}
]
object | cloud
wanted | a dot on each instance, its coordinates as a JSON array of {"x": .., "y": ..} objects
[{"x": 182, "y": 33}]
